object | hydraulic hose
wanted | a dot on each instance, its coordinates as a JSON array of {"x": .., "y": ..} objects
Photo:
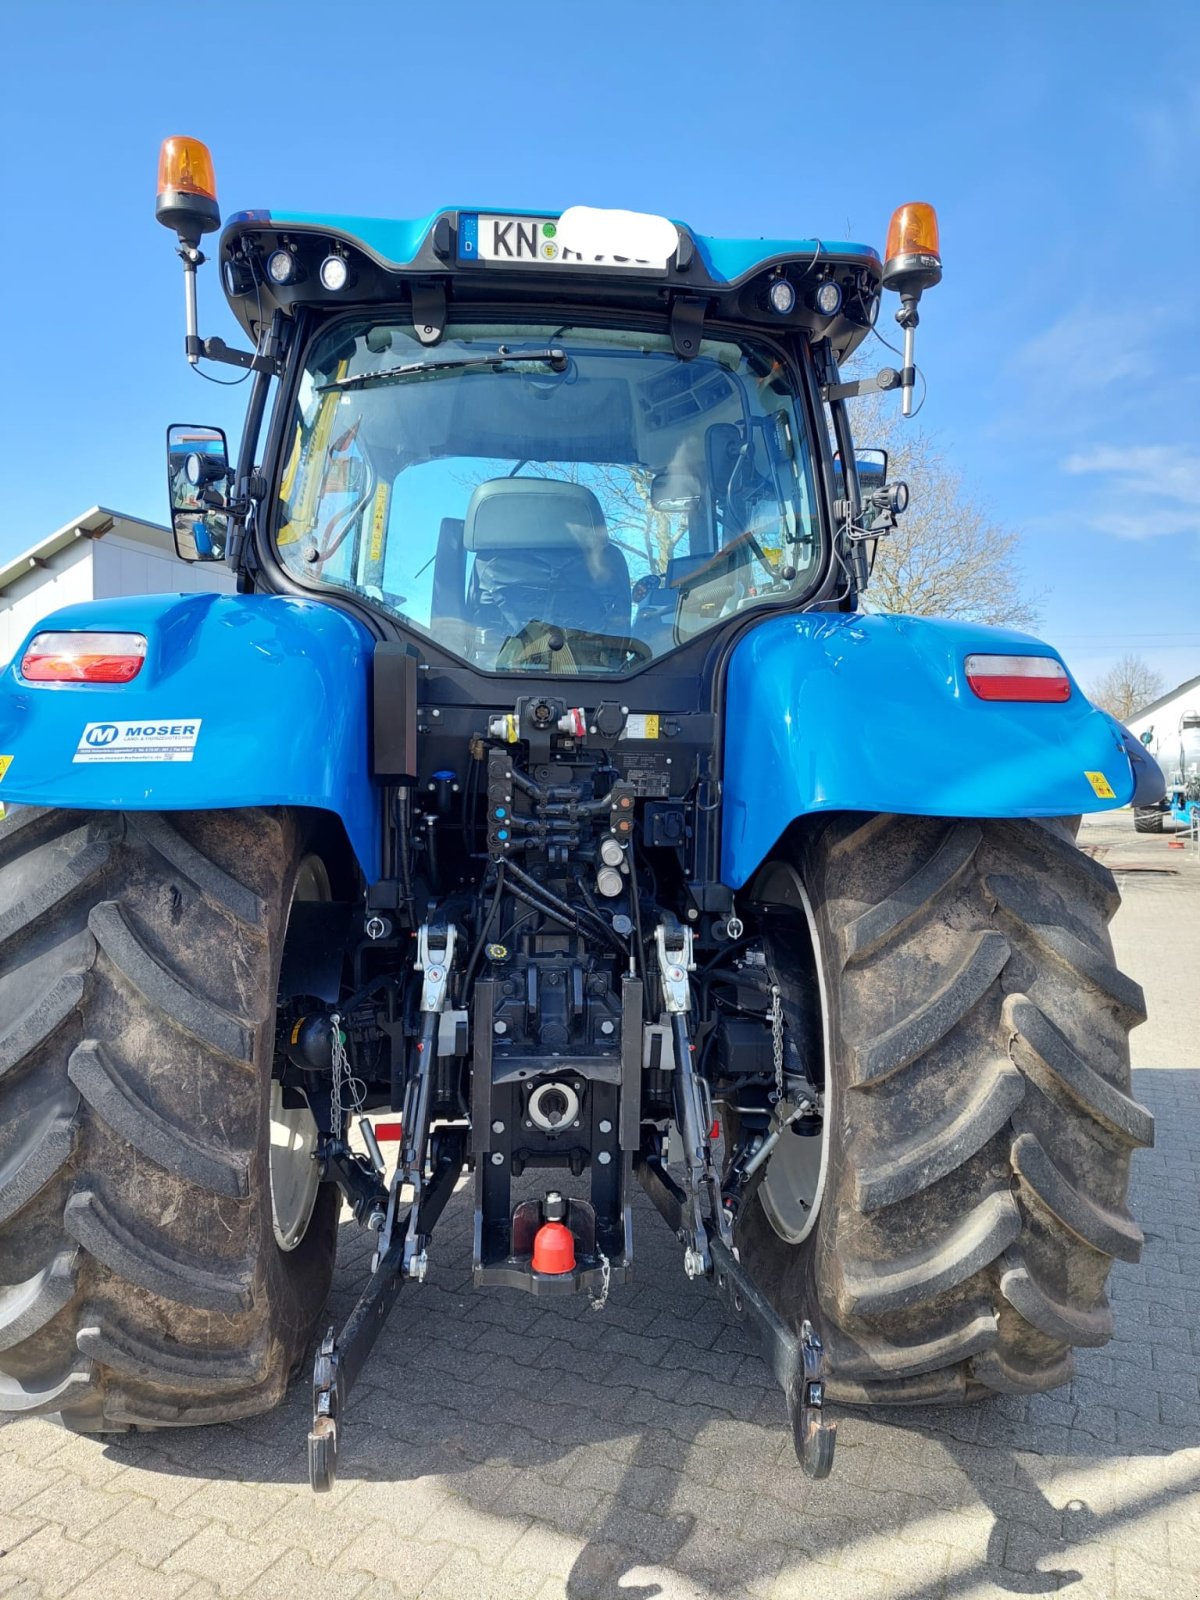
[
  {"x": 402, "y": 849},
  {"x": 477, "y": 948},
  {"x": 563, "y": 917},
  {"x": 580, "y": 921},
  {"x": 635, "y": 896}
]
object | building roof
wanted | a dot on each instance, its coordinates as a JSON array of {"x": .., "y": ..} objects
[
  {"x": 1165, "y": 699},
  {"x": 93, "y": 524}
]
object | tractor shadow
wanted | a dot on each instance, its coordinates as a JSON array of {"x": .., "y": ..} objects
[{"x": 644, "y": 1449}]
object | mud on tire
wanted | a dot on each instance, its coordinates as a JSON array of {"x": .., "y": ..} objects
[
  {"x": 140, "y": 1280},
  {"x": 980, "y": 1121}
]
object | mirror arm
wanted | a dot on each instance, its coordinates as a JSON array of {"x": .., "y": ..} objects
[
  {"x": 886, "y": 378},
  {"x": 218, "y": 350}
]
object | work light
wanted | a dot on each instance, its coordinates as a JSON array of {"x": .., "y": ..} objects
[
  {"x": 781, "y": 297},
  {"x": 334, "y": 272},
  {"x": 281, "y": 267}
]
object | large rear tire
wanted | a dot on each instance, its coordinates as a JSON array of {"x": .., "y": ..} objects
[
  {"x": 141, "y": 1281},
  {"x": 978, "y": 1125},
  {"x": 1148, "y": 819}
]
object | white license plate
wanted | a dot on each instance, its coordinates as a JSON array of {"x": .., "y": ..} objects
[
  {"x": 535, "y": 241},
  {"x": 525, "y": 239}
]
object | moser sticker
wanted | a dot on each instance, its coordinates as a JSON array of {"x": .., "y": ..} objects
[{"x": 139, "y": 741}]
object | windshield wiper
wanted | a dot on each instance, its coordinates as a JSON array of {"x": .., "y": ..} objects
[{"x": 554, "y": 358}]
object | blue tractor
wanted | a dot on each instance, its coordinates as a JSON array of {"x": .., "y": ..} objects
[
  {"x": 546, "y": 800},
  {"x": 1180, "y": 799}
]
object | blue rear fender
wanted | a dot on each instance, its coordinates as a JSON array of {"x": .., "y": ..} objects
[
  {"x": 243, "y": 700},
  {"x": 874, "y": 713}
]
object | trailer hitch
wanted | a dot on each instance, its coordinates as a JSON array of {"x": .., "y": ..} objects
[{"x": 796, "y": 1359}]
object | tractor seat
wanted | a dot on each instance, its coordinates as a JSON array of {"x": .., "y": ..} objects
[{"x": 542, "y": 554}]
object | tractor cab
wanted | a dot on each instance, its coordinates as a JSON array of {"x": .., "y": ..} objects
[{"x": 664, "y": 408}]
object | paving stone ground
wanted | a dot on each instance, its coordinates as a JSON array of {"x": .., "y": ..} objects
[{"x": 499, "y": 1447}]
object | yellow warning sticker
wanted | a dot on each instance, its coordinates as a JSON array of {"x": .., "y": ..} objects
[
  {"x": 641, "y": 725},
  {"x": 1101, "y": 785},
  {"x": 379, "y": 522},
  {"x": 5, "y": 763}
]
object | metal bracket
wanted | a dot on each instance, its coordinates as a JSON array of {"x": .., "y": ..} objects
[
  {"x": 435, "y": 957},
  {"x": 693, "y": 1110},
  {"x": 339, "y": 1361},
  {"x": 674, "y": 966},
  {"x": 687, "y": 325},
  {"x": 429, "y": 310},
  {"x": 814, "y": 1437},
  {"x": 341, "y": 1357},
  {"x": 886, "y": 378},
  {"x": 797, "y": 1360}
]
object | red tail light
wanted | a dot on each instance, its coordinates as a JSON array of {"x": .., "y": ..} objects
[
  {"x": 1018, "y": 678},
  {"x": 83, "y": 657}
]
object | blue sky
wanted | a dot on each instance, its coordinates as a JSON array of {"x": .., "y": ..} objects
[{"x": 1060, "y": 142}]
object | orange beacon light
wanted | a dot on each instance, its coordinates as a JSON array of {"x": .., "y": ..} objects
[
  {"x": 187, "y": 203},
  {"x": 187, "y": 189},
  {"x": 912, "y": 263},
  {"x": 913, "y": 258}
]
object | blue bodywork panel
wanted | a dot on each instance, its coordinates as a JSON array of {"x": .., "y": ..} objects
[
  {"x": 823, "y": 713},
  {"x": 279, "y": 688},
  {"x": 397, "y": 243},
  {"x": 874, "y": 713},
  {"x": 1149, "y": 784}
]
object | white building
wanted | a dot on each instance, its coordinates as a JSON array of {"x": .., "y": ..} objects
[
  {"x": 97, "y": 556},
  {"x": 1163, "y": 719}
]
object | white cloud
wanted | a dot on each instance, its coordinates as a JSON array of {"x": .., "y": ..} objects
[
  {"x": 1144, "y": 490},
  {"x": 1087, "y": 349}
]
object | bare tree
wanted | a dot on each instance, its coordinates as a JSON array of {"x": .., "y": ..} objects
[
  {"x": 1127, "y": 686},
  {"x": 947, "y": 558}
]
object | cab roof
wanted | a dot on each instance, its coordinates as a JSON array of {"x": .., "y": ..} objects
[{"x": 730, "y": 275}]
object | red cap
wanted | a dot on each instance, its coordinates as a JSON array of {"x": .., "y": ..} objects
[{"x": 553, "y": 1248}]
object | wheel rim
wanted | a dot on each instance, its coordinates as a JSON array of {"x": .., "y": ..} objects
[
  {"x": 793, "y": 1182},
  {"x": 295, "y": 1174}
]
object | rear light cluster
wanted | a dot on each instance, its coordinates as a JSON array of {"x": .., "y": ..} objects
[
  {"x": 83, "y": 657},
  {"x": 1018, "y": 678}
]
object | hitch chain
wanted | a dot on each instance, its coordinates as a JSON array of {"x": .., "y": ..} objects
[
  {"x": 349, "y": 1092},
  {"x": 775, "y": 1018},
  {"x": 599, "y": 1301}
]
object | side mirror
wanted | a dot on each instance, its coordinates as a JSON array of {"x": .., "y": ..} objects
[
  {"x": 198, "y": 481},
  {"x": 882, "y": 502},
  {"x": 674, "y": 491},
  {"x": 872, "y": 468}
]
